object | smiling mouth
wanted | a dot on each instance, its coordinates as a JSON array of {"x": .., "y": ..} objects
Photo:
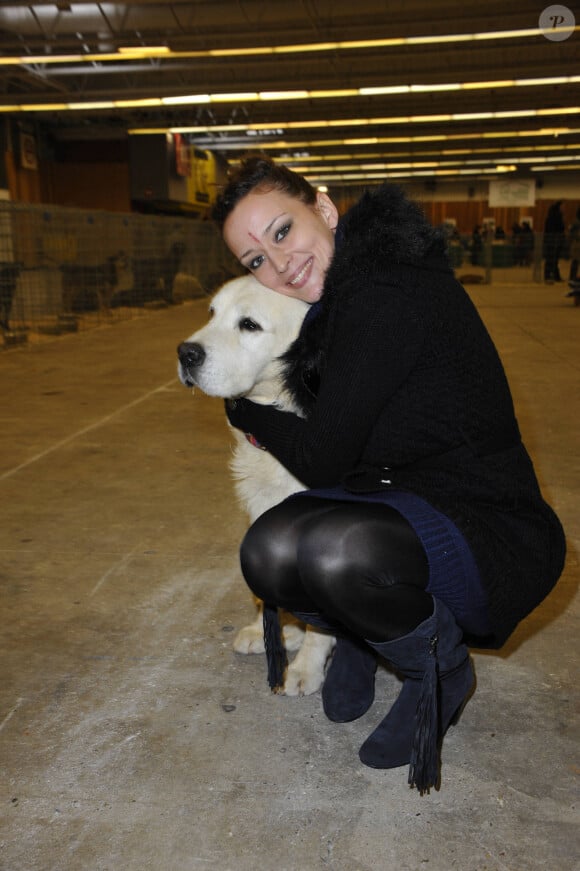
[{"x": 302, "y": 274}]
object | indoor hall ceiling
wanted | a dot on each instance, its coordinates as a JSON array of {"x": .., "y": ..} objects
[{"x": 458, "y": 106}]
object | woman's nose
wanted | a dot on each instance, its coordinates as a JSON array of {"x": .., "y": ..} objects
[{"x": 282, "y": 265}]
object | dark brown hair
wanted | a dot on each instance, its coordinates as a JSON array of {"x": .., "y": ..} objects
[{"x": 261, "y": 173}]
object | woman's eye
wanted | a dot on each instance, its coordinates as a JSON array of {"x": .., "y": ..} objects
[
  {"x": 282, "y": 232},
  {"x": 256, "y": 262}
]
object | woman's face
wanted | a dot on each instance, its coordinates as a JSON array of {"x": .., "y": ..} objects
[{"x": 287, "y": 244}]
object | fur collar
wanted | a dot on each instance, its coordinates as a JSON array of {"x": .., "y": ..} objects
[
  {"x": 303, "y": 361},
  {"x": 382, "y": 230}
]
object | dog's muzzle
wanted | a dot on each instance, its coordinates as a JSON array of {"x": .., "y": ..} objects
[{"x": 191, "y": 356}]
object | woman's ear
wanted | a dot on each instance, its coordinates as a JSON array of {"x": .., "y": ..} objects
[{"x": 327, "y": 210}]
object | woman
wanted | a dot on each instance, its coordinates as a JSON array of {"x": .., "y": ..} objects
[{"x": 424, "y": 525}]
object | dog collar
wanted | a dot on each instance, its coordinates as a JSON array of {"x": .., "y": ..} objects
[{"x": 254, "y": 441}]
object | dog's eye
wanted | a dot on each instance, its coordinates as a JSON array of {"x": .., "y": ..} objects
[{"x": 249, "y": 324}]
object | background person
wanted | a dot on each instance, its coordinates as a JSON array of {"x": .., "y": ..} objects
[
  {"x": 574, "y": 239},
  {"x": 554, "y": 236}
]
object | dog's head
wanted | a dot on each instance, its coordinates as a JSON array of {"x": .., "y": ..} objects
[{"x": 236, "y": 353}]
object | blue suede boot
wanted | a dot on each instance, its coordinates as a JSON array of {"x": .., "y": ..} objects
[
  {"x": 348, "y": 690},
  {"x": 439, "y": 678}
]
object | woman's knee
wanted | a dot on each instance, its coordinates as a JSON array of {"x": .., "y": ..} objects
[
  {"x": 264, "y": 557},
  {"x": 367, "y": 570},
  {"x": 268, "y": 551},
  {"x": 357, "y": 547}
]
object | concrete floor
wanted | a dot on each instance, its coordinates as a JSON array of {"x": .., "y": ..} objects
[{"x": 133, "y": 739}]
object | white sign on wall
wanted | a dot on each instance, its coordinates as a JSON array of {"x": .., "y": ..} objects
[{"x": 512, "y": 193}]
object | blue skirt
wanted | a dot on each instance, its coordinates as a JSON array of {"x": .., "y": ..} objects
[{"x": 454, "y": 577}]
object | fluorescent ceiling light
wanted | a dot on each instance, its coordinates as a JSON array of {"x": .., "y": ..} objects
[
  {"x": 340, "y": 93},
  {"x": 136, "y": 104},
  {"x": 234, "y": 144},
  {"x": 284, "y": 95},
  {"x": 401, "y": 119},
  {"x": 128, "y": 53},
  {"x": 294, "y": 155},
  {"x": 192, "y": 99},
  {"x": 144, "y": 50},
  {"x": 549, "y": 168},
  {"x": 305, "y": 166}
]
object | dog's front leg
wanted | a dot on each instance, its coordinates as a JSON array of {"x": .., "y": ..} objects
[
  {"x": 305, "y": 674},
  {"x": 250, "y": 639}
]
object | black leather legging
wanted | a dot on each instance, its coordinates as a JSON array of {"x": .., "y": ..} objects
[{"x": 357, "y": 563}]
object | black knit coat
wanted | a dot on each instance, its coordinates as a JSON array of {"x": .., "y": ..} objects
[{"x": 397, "y": 371}]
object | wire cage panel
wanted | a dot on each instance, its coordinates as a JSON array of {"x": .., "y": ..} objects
[{"x": 63, "y": 270}]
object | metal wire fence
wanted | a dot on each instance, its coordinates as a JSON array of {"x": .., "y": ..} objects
[{"x": 64, "y": 270}]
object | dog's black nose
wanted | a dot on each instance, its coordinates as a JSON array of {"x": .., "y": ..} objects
[{"x": 191, "y": 355}]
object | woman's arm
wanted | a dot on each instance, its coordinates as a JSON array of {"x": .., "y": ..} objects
[{"x": 377, "y": 339}]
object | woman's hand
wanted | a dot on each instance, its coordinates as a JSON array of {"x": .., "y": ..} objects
[{"x": 236, "y": 412}]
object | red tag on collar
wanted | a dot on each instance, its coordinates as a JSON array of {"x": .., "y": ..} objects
[{"x": 253, "y": 441}]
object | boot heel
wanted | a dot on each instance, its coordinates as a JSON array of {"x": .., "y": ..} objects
[{"x": 455, "y": 718}]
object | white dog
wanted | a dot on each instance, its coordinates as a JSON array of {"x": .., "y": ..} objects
[{"x": 237, "y": 354}]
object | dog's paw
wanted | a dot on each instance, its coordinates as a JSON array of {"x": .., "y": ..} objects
[
  {"x": 250, "y": 639},
  {"x": 302, "y": 681},
  {"x": 293, "y": 636},
  {"x": 305, "y": 674}
]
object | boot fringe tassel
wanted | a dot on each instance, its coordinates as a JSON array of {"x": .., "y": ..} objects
[
  {"x": 275, "y": 650},
  {"x": 424, "y": 763}
]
